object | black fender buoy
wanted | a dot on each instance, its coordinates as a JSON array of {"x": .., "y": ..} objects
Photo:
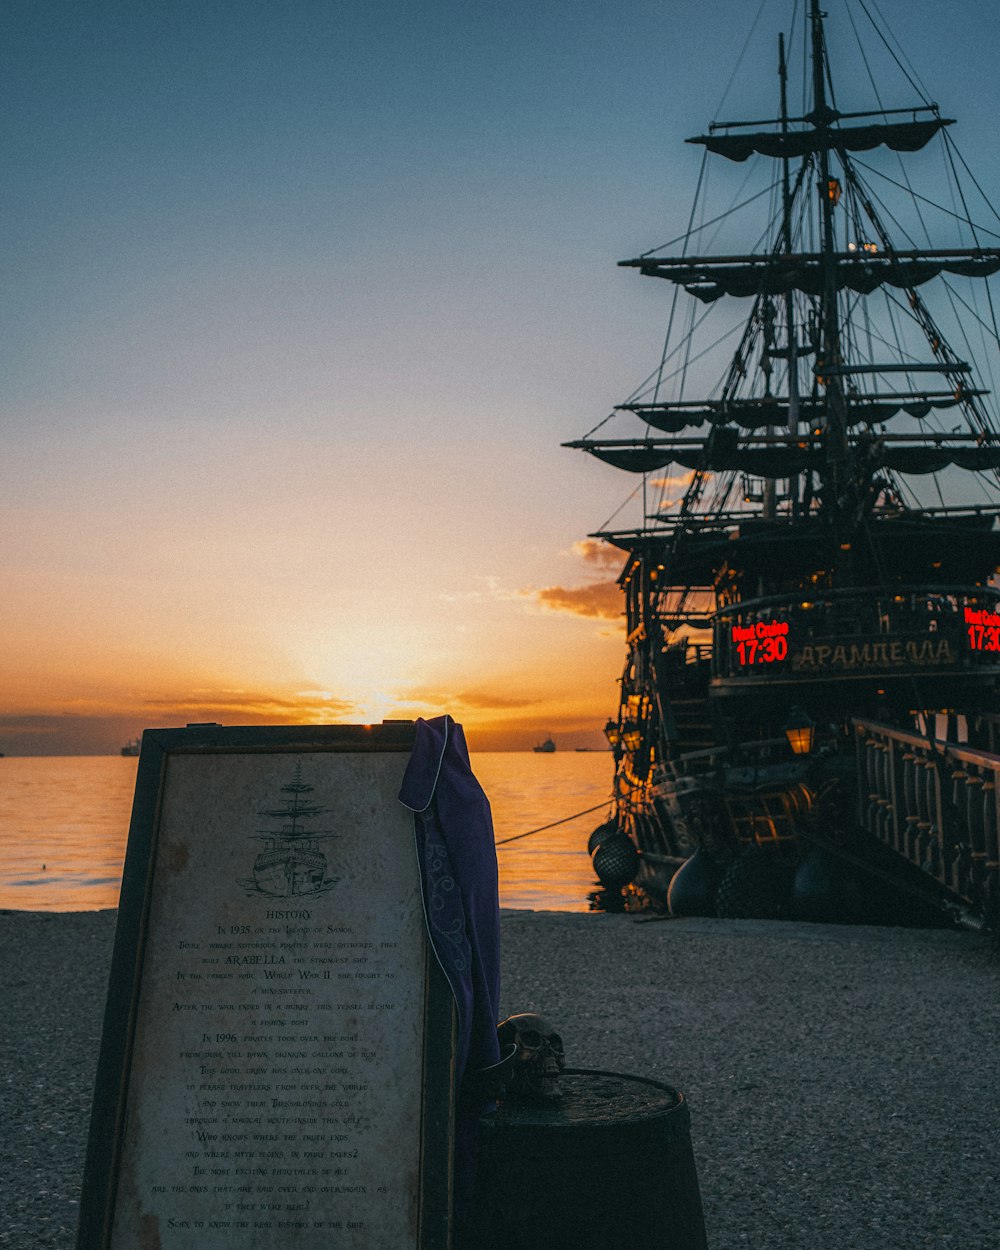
[
  {"x": 692, "y": 887},
  {"x": 616, "y": 861},
  {"x": 757, "y": 886},
  {"x": 600, "y": 833},
  {"x": 823, "y": 890}
]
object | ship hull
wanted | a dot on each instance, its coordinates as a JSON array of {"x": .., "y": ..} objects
[{"x": 911, "y": 834}]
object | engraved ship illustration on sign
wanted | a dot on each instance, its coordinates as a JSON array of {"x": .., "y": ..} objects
[
  {"x": 808, "y": 721},
  {"x": 291, "y": 864}
]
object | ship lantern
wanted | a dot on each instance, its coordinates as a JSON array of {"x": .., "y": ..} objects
[
  {"x": 832, "y": 190},
  {"x": 631, "y": 736},
  {"x": 611, "y": 733},
  {"x": 800, "y": 731}
]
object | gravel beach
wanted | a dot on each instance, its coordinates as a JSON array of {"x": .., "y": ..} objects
[{"x": 844, "y": 1083}]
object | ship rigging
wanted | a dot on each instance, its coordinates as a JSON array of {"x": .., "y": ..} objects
[{"x": 805, "y": 578}]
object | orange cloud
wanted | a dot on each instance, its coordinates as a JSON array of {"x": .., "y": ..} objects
[
  {"x": 676, "y": 484},
  {"x": 673, "y": 481},
  {"x": 478, "y": 700},
  {"x": 487, "y": 700},
  {"x": 99, "y": 726},
  {"x": 600, "y": 554},
  {"x": 252, "y": 702},
  {"x": 601, "y": 600}
]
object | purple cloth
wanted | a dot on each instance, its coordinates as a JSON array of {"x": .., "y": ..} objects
[
  {"x": 453, "y": 830},
  {"x": 453, "y": 827}
]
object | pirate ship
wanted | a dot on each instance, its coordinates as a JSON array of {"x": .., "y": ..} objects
[{"x": 808, "y": 715}]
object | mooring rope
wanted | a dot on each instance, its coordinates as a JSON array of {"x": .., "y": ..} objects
[{"x": 541, "y": 828}]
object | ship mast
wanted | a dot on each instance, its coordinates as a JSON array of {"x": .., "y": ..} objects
[
  {"x": 829, "y": 192},
  {"x": 792, "y": 344},
  {"x": 826, "y": 436}
]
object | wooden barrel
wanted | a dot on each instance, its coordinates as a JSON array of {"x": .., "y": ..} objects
[{"x": 608, "y": 1164}]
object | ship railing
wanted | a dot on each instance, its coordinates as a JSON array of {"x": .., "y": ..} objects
[
  {"x": 987, "y": 729},
  {"x": 951, "y": 628},
  {"x": 681, "y": 672},
  {"x": 682, "y": 652},
  {"x": 937, "y": 804},
  {"x": 693, "y": 763},
  {"x": 748, "y": 756}
]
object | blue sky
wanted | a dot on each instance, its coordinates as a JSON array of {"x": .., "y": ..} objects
[{"x": 300, "y": 300}]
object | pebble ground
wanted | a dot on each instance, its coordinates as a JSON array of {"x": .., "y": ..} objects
[{"x": 843, "y": 1082}]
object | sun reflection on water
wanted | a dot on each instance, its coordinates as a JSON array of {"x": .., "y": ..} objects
[{"x": 64, "y": 825}]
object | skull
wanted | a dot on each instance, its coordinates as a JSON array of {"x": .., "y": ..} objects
[{"x": 539, "y": 1057}]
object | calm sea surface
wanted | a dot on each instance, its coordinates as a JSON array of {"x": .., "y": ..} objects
[{"x": 64, "y": 824}]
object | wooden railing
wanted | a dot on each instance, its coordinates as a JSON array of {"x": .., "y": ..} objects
[{"x": 937, "y": 803}]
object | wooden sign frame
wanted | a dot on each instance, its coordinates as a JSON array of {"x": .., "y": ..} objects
[{"x": 278, "y": 1054}]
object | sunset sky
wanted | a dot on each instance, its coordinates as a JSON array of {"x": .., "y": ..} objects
[{"x": 300, "y": 298}]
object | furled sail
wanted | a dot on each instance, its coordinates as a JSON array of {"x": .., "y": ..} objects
[
  {"x": 862, "y": 272},
  {"x": 757, "y": 414},
  {"x": 780, "y": 460},
  {"x": 899, "y": 136}
]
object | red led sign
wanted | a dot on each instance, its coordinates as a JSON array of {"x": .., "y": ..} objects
[
  {"x": 763, "y": 643},
  {"x": 983, "y": 628}
]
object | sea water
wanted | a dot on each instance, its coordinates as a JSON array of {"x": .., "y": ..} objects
[{"x": 64, "y": 826}]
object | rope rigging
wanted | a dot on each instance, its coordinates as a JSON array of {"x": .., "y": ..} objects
[{"x": 565, "y": 820}]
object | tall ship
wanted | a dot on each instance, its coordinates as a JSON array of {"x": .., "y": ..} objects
[{"x": 808, "y": 720}]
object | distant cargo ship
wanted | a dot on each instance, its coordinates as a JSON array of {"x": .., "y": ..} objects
[
  {"x": 132, "y": 746},
  {"x": 545, "y": 748}
]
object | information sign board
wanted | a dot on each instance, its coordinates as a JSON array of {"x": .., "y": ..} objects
[{"x": 278, "y": 1050}]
